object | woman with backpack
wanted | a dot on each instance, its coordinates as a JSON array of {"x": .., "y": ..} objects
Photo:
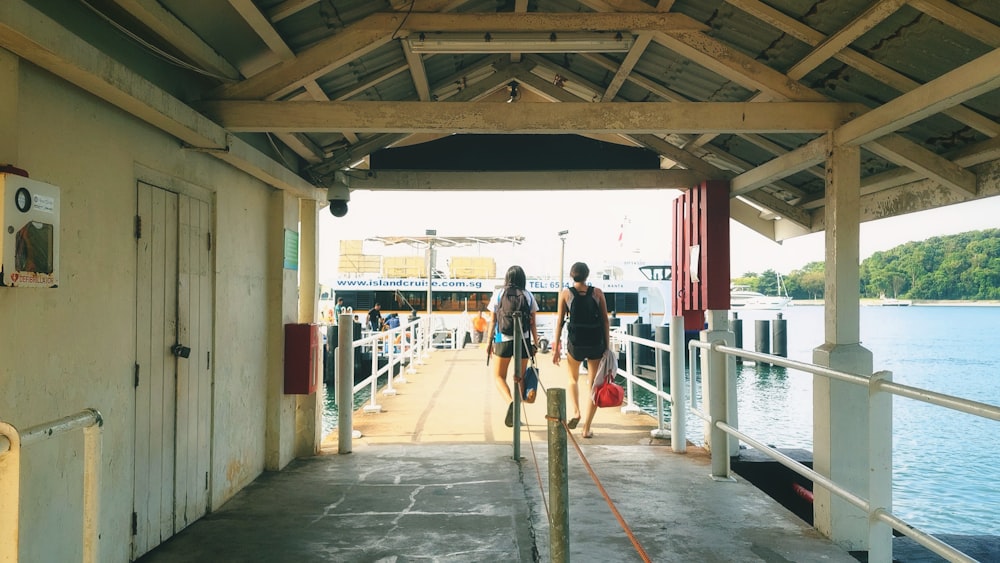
[
  {"x": 513, "y": 296},
  {"x": 585, "y": 310}
]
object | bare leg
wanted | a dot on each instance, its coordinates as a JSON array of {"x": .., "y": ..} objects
[
  {"x": 592, "y": 366},
  {"x": 500, "y": 378},
  {"x": 574, "y": 388}
]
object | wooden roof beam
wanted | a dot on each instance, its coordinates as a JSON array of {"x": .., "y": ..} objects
[
  {"x": 467, "y": 117},
  {"x": 977, "y": 77}
]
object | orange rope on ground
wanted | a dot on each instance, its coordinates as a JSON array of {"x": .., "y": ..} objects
[
  {"x": 590, "y": 470},
  {"x": 604, "y": 493}
]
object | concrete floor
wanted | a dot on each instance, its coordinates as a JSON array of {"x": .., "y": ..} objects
[{"x": 434, "y": 479}]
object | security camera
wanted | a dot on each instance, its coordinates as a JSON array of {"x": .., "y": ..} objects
[{"x": 338, "y": 194}]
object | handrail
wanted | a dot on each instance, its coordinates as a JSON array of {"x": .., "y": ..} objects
[
  {"x": 11, "y": 443},
  {"x": 675, "y": 397},
  {"x": 413, "y": 343},
  {"x": 879, "y": 382}
]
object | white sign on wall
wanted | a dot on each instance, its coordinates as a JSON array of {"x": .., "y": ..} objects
[{"x": 29, "y": 253}]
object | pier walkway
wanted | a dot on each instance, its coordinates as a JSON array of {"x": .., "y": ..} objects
[{"x": 433, "y": 479}]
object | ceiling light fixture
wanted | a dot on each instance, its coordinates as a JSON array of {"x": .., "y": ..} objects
[{"x": 457, "y": 43}]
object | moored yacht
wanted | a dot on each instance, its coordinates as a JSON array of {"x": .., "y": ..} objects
[{"x": 743, "y": 297}]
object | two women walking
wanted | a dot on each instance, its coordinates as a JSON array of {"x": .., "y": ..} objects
[{"x": 582, "y": 309}]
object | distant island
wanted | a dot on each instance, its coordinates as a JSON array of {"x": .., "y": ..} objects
[{"x": 962, "y": 267}]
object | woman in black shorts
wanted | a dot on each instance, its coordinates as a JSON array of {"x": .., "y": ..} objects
[
  {"x": 502, "y": 345},
  {"x": 588, "y": 338}
]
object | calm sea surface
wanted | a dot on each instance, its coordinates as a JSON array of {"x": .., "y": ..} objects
[{"x": 946, "y": 464}]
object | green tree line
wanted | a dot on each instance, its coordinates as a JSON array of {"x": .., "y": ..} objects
[{"x": 965, "y": 266}]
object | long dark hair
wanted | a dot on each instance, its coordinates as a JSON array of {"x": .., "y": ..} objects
[{"x": 515, "y": 278}]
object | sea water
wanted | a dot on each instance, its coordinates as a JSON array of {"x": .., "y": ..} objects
[{"x": 946, "y": 464}]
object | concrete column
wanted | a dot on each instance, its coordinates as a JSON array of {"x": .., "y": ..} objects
[
  {"x": 282, "y": 308},
  {"x": 309, "y": 408},
  {"x": 718, "y": 330},
  {"x": 840, "y": 410}
]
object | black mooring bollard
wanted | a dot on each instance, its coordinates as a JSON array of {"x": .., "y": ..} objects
[
  {"x": 662, "y": 356},
  {"x": 779, "y": 333},
  {"x": 762, "y": 338},
  {"x": 736, "y": 326}
]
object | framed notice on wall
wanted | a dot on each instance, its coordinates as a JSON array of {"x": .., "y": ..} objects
[{"x": 291, "y": 261}]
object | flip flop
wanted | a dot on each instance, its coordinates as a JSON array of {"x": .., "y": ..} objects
[
  {"x": 588, "y": 434},
  {"x": 573, "y": 422},
  {"x": 509, "y": 420}
]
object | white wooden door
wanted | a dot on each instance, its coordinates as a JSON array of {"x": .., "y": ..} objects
[{"x": 173, "y": 377}]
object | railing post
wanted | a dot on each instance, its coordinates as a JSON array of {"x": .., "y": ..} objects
[
  {"x": 91, "y": 489},
  {"x": 716, "y": 372},
  {"x": 391, "y": 364},
  {"x": 678, "y": 405},
  {"x": 428, "y": 334},
  {"x": 372, "y": 406},
  {"x": 718, "y": 331},
  {"x": 880, "y": 468},
  {"x": 10, "y": 492},
  {"x": 629, "y": 358},
  {"x": 90, "y": 421},
  {"x": 717, "y": 407},
  {"x": 558, "y": 476},
  {"x": 411, "y": 347},
  {"x": 662, "y": 362},
  {"x": 516, "y": 388},
  {"x": 345, "y": 385}
]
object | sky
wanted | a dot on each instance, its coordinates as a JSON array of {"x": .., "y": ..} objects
[{"x": 604, "y": 227}]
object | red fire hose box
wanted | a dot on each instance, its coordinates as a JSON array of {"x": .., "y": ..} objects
[{"x": 302, "y": 355}]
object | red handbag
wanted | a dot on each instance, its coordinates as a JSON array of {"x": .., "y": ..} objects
[{"x": 609, "y": 394}]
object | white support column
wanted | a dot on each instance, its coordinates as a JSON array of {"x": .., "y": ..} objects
[
  {"x": 678, "y": 395},
  {"x": 718, "y": 331},
  {"x": 282, "y": 308},
  {"x": 309, "y": 408},
  {"x": 840, "y": 410}
]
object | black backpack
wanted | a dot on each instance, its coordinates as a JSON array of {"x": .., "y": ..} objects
[
  {"x": 512, "y": 300},
  {"x": 585, "y": 325}
]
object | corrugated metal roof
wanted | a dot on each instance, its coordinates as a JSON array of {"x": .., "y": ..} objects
[{"x": 751, "y": 44}]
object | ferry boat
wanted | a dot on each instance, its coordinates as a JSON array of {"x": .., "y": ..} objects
[{"x": 641, "y": 295}]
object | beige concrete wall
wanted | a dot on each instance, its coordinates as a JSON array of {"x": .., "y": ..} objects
[{"x": 70, "y": 348}]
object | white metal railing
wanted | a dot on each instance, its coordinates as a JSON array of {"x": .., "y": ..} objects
[
  {"x": 678, "y": 424},
  {"x": 879, "y": 385},
  {"x": 400, "y": 346},
  {"x": 11, "y": 443},
  {"x": 405, "y": 345}
]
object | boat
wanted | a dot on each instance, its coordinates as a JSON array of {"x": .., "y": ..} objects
[
  {"x": 634, "y": 293},
  {"x": 743, "y": 297},
  {"x": 884, "y": 301}
]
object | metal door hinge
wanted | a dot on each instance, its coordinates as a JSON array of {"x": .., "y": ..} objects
[
  {"x": 135, "y": 524},
  {"x": 138, "y": 226},
  {"x": 136, "y": 375},
  {"x": 210, "y": 241}
]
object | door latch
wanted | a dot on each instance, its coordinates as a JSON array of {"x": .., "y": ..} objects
[{"x": 181, "y": 351}]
